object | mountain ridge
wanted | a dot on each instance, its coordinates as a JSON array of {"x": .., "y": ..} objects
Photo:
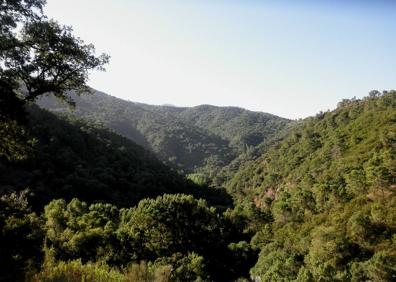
[
  {"x": 188, "y": 139},
  {"x": 75, "y": 158}
]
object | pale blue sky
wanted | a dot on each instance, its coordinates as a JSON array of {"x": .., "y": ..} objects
[{"x": 290, "y": 58}]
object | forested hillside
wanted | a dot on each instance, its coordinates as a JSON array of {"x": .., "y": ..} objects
[
  {"x": 200, "y": 139},
  {"x": 318, "y": 205},
  {"x": 242, "y": 128},
  {"x": 330, "y": 187},
  {"x": 72, "y": 158},
  {"x": 75, "y": 204},
  {"x": 80, "y": 200},
  {"x": 77, "y": 200}
]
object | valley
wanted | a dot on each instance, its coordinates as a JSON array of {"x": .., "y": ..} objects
[
  {"x": 288, "y": 188},
  {"x": 96, "y": 188},
  {"x": 199, "y": 141}
]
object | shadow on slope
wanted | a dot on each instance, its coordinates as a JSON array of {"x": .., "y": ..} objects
[{"x": 75, "y": 159}]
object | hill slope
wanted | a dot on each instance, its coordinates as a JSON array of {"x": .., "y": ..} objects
[
  {"x": 239, "y": 126},
  {"x": 72, "y": 158},
  {"x": 188, "y": 139},
  {"x": 318, "y": 204},
  {"x": 329, "y": 185}
]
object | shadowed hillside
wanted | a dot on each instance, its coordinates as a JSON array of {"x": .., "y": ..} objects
[
  {"x": 194, "y": 139},
  {"x": 72, "y": 158}
]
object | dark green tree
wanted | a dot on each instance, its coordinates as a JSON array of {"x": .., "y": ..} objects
[
  {"x": 37, "y": 56},
  {"x": 41, "y": 55},
  {"x": 21, "y": 235}
]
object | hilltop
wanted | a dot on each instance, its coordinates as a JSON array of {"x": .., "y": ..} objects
[{"x": 200, "y": 139}]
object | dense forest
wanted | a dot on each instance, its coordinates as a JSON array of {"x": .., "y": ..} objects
[
  {"x": 329, "y": 186},
  {"x": 72, "y": 158},
  {"x": 199, "y": 141},
  {"x": 317, "y": 205},
  {"x": 121, "y": 191}
]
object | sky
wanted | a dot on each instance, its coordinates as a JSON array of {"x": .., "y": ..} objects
[{"x": 286, "y": 57}]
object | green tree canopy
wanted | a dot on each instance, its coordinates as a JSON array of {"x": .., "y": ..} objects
[{"x": 41, "y": 55}]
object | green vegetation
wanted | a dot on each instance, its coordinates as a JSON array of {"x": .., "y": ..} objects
[
  {"x": 41, "y": 55},
  {"x": 312, "y": 200},
  {"x": 170, "y": 238},
  {"x": 72, "y": 158},
  {"x": 317, "y": 205},
  {"x": 330, "y": 187},
  {"x": 21, "y": 237},
  {"x": 200, "y": 140},
  {"x": 75, "y": 271}
]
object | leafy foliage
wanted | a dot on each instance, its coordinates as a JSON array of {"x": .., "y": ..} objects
[
  {"x": 175, "y": 230},
  {"x": 75, "y": 271},
  {"x": 314, "y": 199},
  {"x": 75, "y": 159},
  {"x": 16, "y": 144},
  {"x": 329, "y": 185},
  {"x": 42, "y": 54},
  {"x": 200, "y": 140},
  {"x": 21, "y": 236},
  {"x": 318, "y": 205}
]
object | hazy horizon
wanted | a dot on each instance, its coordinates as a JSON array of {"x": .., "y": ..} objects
[
  {"x": 288, "y": 59},
  {"x": 198, "y": 105}
]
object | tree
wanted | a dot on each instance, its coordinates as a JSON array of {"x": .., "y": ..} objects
[
  {"x": 21, "y": 235},
  {"x": 180, "y": 224},
  {"x": 37, "y": 56},
  {"x": 79, "y": 231},
  {"x": 40, "y": 54},
  {"x": 12, "y": 13},
  {"x": 16, "y": 144}
]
